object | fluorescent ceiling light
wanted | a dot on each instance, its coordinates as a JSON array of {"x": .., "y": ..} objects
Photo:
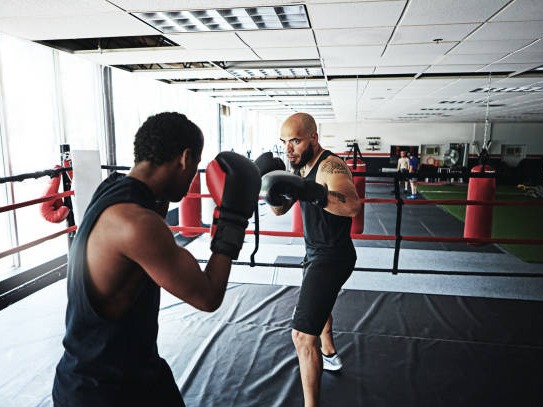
[
  {"x": 263, "y": 73},
  {"x": 233, "y": 19}
]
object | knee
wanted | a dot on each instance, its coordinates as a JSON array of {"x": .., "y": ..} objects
[{"x": 302, "y": 340}]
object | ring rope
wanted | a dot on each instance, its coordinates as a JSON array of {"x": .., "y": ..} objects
[
  {"x": 424, "y": 201},
  {"x": 398, "y": 238},
  {"x": 364, "y": 236},
  {"x": 399, "y": 271},
  {"x": 36, "y": 201},
  {"x": 37, "y": 241}
]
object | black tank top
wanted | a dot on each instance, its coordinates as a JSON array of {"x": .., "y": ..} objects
[
  {"x": 325, "y": 233},
  {"x": 111, "y": 363}
]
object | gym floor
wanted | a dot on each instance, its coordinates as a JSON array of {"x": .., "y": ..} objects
[{"x": 411, "y": 339}]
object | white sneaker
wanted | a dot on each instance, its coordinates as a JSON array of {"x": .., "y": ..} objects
[{"x": 332, "y": 362}]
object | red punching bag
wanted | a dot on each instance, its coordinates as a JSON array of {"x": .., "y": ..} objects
[
  {"x": 478, "y": 223},
  {"x": 357, "y": 226},
  {"x": 297, "y": 222},
  {"x": 190, "y": 209}
]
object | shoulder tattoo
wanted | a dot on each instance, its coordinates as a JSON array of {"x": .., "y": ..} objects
[{"x": 335, "y": 167}]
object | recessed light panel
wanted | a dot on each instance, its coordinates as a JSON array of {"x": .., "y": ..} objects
[
  {"x": 268, "y": 73},
  {"x": 232, "y": 19}
]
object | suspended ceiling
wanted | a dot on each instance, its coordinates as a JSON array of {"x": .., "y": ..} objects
[{"x": 393, "y": 60}]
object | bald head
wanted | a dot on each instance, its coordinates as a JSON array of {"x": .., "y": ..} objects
[
  {"x": 301, "y": 123},
  {"x": 299, "y": 135}
]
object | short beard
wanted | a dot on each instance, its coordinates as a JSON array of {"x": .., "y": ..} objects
[{"x": 306, "y": 156}]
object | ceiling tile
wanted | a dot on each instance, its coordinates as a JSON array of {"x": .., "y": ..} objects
[
  {"x": 341, "y": 57},
  {"x": 528, "y": 30},
  {"x": 453, "y": 68},
  {"x": 207, "y": 40},
  {"x": 414, "y": 54},
  {"x": 398, "y": 70},
  {"x": 353, "y": 36},
  {"x": 287, "y": 53},
  {"x": 358, "y": 70},
  {"x": 410, "y": 34},
  {"x": 425, "y": 12},
  {"x": 277, "y": 38},
  {"x": 111, "y": 24},
  {"x": 56, "y": 8},
  {"x": 524, "y": 56},
  {"x": 503, "y": 67},
  {"x": 358, "y": 14},
  {"x": 521, "y": 10},
  {"x": 486, "y": 47},
  {"x": 458, "y": 59}
]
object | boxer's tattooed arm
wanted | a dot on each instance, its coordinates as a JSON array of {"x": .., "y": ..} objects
[
  {"x": 340, "y": 197},
  {"x": 334, "y": 167}
]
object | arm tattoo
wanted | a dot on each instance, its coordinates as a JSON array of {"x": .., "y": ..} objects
[
  {"x": 333, "y": 167},
  {"x": 340, "y": 197}
]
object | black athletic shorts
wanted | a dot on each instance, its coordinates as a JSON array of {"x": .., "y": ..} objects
[{"x": 322, "y": 280}]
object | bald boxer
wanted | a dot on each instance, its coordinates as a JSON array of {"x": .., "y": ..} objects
[
  {"x": 124, "y": 252},
  {"x": 323, "y": 184}
]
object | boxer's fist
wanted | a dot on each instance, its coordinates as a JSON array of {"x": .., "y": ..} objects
[
  {"x": 280, "y": 185},
  {"x": 266, "y": 162},
  {"x": 234, "y": 183}
]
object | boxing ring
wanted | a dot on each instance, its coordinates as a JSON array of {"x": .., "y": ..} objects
[{"x": 433, "y": 326}]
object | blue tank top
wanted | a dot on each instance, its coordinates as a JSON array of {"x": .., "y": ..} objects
[
  {"x": 325, "y": 234},
  {"x": 111, "y": 362}
]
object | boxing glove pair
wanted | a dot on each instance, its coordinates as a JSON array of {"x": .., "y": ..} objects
[{"x": 234, "y": 184}]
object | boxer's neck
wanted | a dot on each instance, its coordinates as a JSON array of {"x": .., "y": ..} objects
[{"x": 307, "y": 168}]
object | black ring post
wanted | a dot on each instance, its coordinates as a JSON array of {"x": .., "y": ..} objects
[
  {"x": 257, "y": 236},
  {"x": 399, "y": 204},
  {"x": 66, "y": 186}
]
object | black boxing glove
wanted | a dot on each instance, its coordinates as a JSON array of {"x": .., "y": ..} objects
[
  {"x": 266, "y": 162},
  {"x": 280, "y": 185},
  {"x": 234, "y": 183}
]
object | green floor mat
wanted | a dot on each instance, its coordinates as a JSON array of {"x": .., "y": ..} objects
[{"x": 517, "y": 222}]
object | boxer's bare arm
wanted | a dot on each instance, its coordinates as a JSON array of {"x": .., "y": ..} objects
[
  {"x": 343, "y": 199},
  {"x": 129, "y": 240}
]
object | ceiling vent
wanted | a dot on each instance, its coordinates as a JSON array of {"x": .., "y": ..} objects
[
  {"x": 109, "y": 43},
  {"x": 452, "y": 102},
  {"x": 170, "y": 66},
  {"x": 442, "y": 108},
  {"x": 520, "y": 89}
]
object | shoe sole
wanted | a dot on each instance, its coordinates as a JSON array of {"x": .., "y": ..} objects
[{"x": 331, "y": 368}]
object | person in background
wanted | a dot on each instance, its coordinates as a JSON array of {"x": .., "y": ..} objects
[
  {"x": 413, "y": 168},
  {"x": 403, "y": 168}
]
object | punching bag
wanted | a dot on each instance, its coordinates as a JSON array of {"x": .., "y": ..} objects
[
  {"x": 297, "y": 222},
  {"x": 190, "y": 209},
  {"x": 478, "y": 223},
  {"x": 357, "y": 226}
]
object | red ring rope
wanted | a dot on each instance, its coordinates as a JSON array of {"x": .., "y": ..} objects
[
  {"x": 35, "y": 201},
  {"x": 37, "y": 242}
]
